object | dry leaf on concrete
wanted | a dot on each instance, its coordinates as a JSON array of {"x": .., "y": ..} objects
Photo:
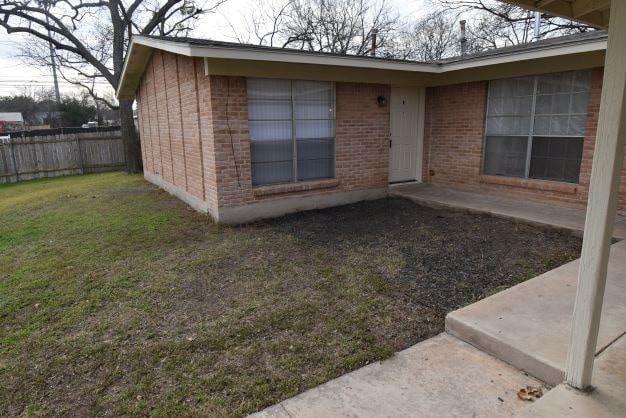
[
  {"x": 530, "y": 393},
  {"x": 523, "y": 395},
  {"x": 536, "y": 392}
]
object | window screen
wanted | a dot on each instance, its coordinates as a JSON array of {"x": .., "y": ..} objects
[
  {"x": 535, "y": 126},
  {"x": 292, "y": 130},
  {"x": 556, "y": 158}
]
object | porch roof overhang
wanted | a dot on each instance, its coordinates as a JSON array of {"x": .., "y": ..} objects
[
  {"x": 595, "y": 13},
  {"x": 223, "y": 58}
]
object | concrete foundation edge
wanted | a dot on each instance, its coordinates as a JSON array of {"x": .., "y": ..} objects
[
  {"x": 193, "y": 201},
  {"x": 270, "y": 208},
  {"x": 274, "y": 208}
]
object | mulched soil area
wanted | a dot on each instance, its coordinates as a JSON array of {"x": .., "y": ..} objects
[{"x": 452, "y": 258}]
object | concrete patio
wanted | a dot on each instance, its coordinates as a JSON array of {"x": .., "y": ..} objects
[
  {"x": 529, "y": 211},
  {"x": 492, "y": 348}
]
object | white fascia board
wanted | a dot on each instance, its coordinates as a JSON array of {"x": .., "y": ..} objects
[
  {"x": 129, "y": 53},
  {"x": 287, "y": 56}
]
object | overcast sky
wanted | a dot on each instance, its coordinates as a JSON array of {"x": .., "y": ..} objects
[{"x": 15, "y": 76}]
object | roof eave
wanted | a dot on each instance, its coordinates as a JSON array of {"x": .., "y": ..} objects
[
  {"x": 141, "y": 48},
  {"x": 137, "y": 51},
  {"x": 138, "y": 56}
]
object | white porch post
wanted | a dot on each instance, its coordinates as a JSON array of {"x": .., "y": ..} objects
[{"x": 601, "y": 207}]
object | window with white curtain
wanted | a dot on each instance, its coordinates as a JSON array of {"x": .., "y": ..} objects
[
  {"x": 292, "y": 130},
  {"x": 536, "y": 125}
]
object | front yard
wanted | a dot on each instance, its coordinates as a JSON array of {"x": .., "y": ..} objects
[{"x": 116, "y": 299}]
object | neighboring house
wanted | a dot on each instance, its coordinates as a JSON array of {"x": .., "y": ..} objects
[
  {"x": 245, "y": 132},
  {"x": 11, "y": 122}
]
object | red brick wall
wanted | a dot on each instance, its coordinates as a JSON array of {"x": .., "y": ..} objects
[
  {"x": 194, "y": 134},
  {"x": 174, "y": 120},
  {"x": 454, "y": 139},
  {"x": 231, "y": 146},
  {"x": 189, "y": 99},
  {"x": 163, "y": 130},
  {"x": 168, "y": 110},
  {"x": 205, "y": 131},
  {"x": 362, "y": 136},
  {"x": 361, "y": 141},
  {"x": 453, "y": 130}
]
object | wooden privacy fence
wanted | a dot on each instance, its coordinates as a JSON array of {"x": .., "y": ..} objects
[{"x": 58, "y": 152}]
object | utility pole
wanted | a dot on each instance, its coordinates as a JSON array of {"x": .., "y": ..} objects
[
  {"x": 93, "y": 86},
  {"x": 57, "y": 93}
]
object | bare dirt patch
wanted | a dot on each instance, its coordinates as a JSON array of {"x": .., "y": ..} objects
[{"x": 450, "y": 258}]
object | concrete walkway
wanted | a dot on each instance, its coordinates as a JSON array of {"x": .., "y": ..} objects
[
  {"x": 439, "y": 377},
  {"x": 491, "y": 347},
  {"x": 529, "y": 211}
]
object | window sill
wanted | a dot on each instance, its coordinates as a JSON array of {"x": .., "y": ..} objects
[
  {"x": 294, "y": 187},
  {"x": 551, "y": 186}
]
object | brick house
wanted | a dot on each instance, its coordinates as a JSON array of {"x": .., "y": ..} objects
[{"x": 245, "y": 132}]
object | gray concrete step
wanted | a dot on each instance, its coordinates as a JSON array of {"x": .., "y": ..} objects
[{"x": 528, "y": 326}]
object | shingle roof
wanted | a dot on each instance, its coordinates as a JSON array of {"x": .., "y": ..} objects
[
  {"x": 588, "y": 47},
  {"x": 236, "y": 45},
  {"x": 548, "y": 42}
]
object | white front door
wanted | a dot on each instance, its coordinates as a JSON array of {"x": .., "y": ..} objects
[{"x": 407, "y": 121}]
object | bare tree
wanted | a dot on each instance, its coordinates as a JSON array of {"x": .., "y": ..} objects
[
  {"x": 337, "y": 26},
  {"x": 346, "y": 27},
  {"x": 340, "y": 26},
  {"x": 90, "y": 39},
  {"x": 494, "y": 24},
  {"x": 434, "y": 36},
  {"x": 264, "y": 25}
]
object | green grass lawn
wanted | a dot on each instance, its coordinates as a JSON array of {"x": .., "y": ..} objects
[{"x": 117, "y": 299}]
